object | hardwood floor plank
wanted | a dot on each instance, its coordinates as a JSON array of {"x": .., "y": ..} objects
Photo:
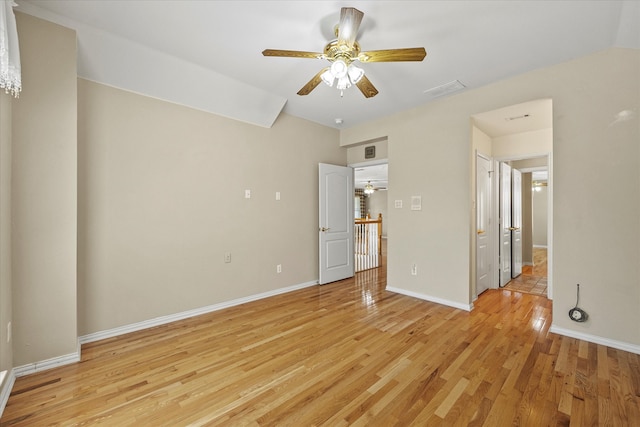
[
  {"x": 451, "y": 398},
  {"x": 346, "y": 353}
]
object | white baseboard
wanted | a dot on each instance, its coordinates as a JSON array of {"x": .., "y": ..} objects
[
  {"x": 5, "y": 391},
  {"x": 145, "y": 324},
  {"x": 67, "y": 359},
  {"x": 465, "y": 307},
  {"x": 620, "y": 345},
  {"x": 54, "y": 362},
  {"x": 540, "y": 246}
]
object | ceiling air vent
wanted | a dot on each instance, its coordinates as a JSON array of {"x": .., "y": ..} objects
[{"x": 445, "y": 89}]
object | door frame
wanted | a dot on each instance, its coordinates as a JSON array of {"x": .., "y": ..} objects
[
  {"x": 549, "y": 156},
  {"x": 492, "y": 224},
  {"x": 376, "y": 162},
  {"x": 504, "y": 230},
  {"x": 516, "y": 222}
]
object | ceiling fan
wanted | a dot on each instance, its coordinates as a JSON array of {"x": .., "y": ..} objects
[{"x": 345, "y": 50}]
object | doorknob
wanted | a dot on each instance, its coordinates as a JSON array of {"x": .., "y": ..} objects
[
  {"x": 514, "y": 228},
  {"x": 324, "y": 229}
]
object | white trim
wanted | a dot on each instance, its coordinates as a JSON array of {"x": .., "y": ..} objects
[
  {"x": 493, "y": 231},
  {"x": 68, "y": 359},
  {"x": 375, "y": 162},
  {"x": 145, "y": 324},
  {"x": 5, "y": 392},
  {"x": 465, "y": 307},
  {"x": 620, "y": 345},
  {"x": 54, "y": 362},
  {"x": 540, "y": 246}
]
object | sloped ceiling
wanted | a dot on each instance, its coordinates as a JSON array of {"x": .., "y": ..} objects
[{"x": 207, "y": 54}]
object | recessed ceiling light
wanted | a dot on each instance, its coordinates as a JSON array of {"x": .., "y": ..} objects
[{"x": 338, "y": 121}]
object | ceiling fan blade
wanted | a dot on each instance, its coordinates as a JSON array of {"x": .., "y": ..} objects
[
  {"x": 311, "y": 85},
  {"x": 292, "y": 53},
  {"x": 393, "y": 55},
  {"x": 367, "y": 89},
  {"x": 350, "y": 19}
]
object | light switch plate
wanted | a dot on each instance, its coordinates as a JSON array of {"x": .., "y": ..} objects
[{"x": 416, "y": 203}]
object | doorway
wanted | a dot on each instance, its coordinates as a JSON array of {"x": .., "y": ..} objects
[
  {"x": 518, "y": 133},
  {"x": 371, "y": 204},
  {"x": 532, "y": 230}
]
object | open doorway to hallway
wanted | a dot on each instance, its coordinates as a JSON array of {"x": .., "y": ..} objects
[
  {"x": 508, "y": 138},
  {"x": 371, "y": 182},
  {"x": 533, "y": 279},
  {"x": 534, "y": 225}
]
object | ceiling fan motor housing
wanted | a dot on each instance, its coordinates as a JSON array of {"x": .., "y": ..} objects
[{"x": 336, "y": 50}]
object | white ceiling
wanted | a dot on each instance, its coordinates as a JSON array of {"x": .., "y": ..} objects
[
  {"x": 376, "y": 174},
  {"x": 207, "y": 54}
]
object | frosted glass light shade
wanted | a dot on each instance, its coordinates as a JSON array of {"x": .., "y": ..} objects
[
  {"x": 328, "y": 77},
  {"x": 339, "y": 68},
  {"x": 355, "y": 73}
]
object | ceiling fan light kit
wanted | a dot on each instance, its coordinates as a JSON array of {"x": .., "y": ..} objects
[
  {"x": 345, "y": 75},
  {"x": 342, "y": 52},
  {"x": 368, "y": 189}
]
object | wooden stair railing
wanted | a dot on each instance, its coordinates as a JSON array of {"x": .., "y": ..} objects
[{"x": 368, "y": 242}]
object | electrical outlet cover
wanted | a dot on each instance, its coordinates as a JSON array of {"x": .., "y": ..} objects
[{"x": 578, "y": 315}]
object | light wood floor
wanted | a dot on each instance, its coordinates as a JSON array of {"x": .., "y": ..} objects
[{"x": 347, "y": 353}]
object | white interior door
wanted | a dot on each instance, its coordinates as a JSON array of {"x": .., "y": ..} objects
[
  {"x": 483, "y": 224},
  {"x": 336, "y": 223},
  {"x": 505, "y": 223},
  {"x": 516, "y": 223}
]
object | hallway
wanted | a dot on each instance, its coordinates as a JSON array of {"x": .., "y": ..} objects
[{"x": 533, "y": 279}]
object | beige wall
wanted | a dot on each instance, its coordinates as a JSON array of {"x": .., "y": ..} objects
[
  {"x": 482, "y": 143},
  {"x": 527, "y": 219},
  {"x": 595, "y": 244},
  {"x": 6, "y": 352},
  {"x": 540, "y": 209},
  {"x": 355, "y": 154},
  {"x": 377, "y": 204},
  {"x": 161, "y": 199},
  {"x": 44, "y": 194},
  {"x": 523, "y": 144},
  {"x": 422, "y": 146},
  {"x": 159, "y": 190},
  {"x": 147, "y": 211}
]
